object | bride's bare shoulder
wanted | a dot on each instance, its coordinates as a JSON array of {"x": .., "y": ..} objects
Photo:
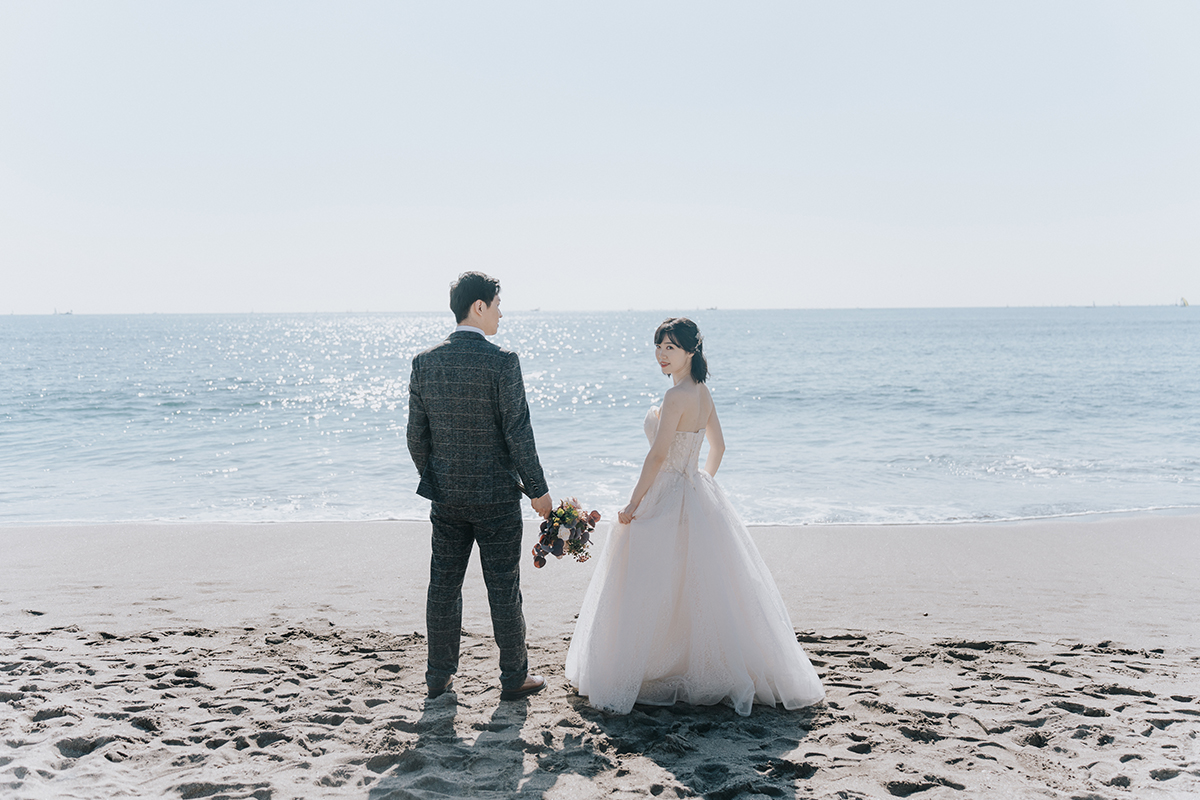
[
  {"x": 684, "y": 393},
  {"x": 673, "y": 398},
  {"x": 707, "y": 406}
]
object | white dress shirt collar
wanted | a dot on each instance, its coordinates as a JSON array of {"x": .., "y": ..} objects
[{"x": 470, "y": 329}]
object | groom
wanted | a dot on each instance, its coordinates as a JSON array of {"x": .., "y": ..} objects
[{"x": 470, "y": 437}]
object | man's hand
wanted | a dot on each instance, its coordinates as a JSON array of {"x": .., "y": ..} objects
[{"x": 542, "y": 505}]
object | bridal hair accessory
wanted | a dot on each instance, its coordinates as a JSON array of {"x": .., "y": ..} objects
[{"x": 567, "y": 531}]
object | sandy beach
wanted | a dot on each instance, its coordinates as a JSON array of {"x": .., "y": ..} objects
[{"x": 1056, "y": 658}]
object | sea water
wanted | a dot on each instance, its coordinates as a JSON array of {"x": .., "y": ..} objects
[{"x": 855, "y": 416}]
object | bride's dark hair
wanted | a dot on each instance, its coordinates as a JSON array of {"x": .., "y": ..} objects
[{"x": 683, "y": 332}]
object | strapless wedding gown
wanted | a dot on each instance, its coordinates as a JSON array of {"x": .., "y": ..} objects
[{"x": 682, "y": 608}]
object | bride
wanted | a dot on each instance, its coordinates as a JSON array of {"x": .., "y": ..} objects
[{"x": 681, "y": 606}]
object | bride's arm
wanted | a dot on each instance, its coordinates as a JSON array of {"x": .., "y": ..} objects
[
  {"x": 668, "y": 421},
  {"x": 716, "y": 443}
]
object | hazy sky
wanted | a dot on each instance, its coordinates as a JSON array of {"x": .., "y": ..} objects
[{"x": 287, "y": 156}]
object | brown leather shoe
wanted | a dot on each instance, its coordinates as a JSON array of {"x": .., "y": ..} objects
[
  {"x": 532, "y": 685},
  {"x": 438, "y": 692}
]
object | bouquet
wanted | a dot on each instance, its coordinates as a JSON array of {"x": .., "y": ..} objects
[{"x": 567, "y": 531}]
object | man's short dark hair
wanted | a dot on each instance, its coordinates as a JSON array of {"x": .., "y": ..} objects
[{"x": 469, "y": 287}]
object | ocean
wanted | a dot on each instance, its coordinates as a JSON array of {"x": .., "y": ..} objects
[{"x": 848, "y": 416}]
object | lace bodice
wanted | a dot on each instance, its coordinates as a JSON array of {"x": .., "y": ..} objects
[{"x": 684, "y": 455}]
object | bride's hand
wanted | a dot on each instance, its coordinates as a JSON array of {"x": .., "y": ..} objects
[{"x": 625, "y": 515}]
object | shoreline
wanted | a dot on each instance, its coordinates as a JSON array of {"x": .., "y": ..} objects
[
  {"x": 1097, "y": 576},
  {"x": 1184, "y": 510},
  {"x": 1057, "y": 658}
]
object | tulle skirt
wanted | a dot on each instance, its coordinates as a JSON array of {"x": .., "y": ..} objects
[{"x": 682, "y": 608}]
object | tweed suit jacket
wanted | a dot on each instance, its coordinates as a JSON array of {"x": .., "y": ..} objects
[{"x": 468, "y": 424}]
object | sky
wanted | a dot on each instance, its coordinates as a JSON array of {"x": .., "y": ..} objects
[{"x": 179, "y": 157}]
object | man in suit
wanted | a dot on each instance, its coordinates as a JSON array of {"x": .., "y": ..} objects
[{"x": 469, "y": 435}]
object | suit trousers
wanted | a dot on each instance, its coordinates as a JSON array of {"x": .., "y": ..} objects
[{"x": 497, "y": 530}]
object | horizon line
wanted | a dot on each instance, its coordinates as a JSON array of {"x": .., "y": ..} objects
[{"x": 538, "y": 310}]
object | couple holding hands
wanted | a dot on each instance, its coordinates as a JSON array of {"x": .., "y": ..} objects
[{"x": 681, "y": 606}]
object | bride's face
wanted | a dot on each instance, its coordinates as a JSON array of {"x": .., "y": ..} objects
[{"x": 672, "y": 358}]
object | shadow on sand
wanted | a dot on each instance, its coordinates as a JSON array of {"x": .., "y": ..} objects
[
  {"x": 684, "y": 751},
  {"x": 709, "y": 750}
]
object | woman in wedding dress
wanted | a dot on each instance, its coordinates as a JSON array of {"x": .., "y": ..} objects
[{"x": 681, "y": 607}]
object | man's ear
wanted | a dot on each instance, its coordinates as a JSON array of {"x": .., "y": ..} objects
[{"x": 479, "y": 306}]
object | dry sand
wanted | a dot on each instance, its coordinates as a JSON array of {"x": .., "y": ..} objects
[{"x": 1041, "y": 659}]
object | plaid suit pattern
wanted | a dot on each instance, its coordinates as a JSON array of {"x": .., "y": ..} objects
[
  {"x": 470, "y": 437},
  {"x": 468, "y": 424}
]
